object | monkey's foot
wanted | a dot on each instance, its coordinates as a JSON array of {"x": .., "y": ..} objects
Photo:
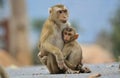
[
  {"x": 85, "y": 70},
  {"x": 61, "y": 64},
  {"x": 69, "y": 71},
  {"x": 79, "y": 67}
]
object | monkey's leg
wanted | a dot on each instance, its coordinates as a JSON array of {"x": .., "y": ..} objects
[
  {"x": 42, "y": 57},
  {"x": 48, "y": 65},
  {"x": 52, "y": 65},
  {"x": 73, "y": 67},
  {"x": 75, "y": 62},
  {"x": 85, "y": 70},
  {"x": 78, "y": 67},
  {"x": 54, "y": 69},
  {"x": 57, "y": 53}
]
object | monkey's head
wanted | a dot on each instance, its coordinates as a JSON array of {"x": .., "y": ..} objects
[
  {"x": 69, "y": 34},
  {"x": 59, "y": 13}
]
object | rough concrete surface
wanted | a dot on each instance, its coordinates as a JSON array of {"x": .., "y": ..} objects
[{"x": 110, "y": 70}]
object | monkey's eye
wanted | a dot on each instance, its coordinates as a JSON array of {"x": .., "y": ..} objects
[
  {"x": 65, "y": 33},
  {"x": 69, "y": 34},
  {"x": 60, "y": 11}
]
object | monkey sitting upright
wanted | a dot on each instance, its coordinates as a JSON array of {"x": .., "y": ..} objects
[
  {"x": 72, "y": 50},
  {"x": 51, "y": 42}
]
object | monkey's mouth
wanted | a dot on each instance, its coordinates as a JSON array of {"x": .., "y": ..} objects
[
  {"x": 66, "y": 41},
  {"x": 64, "y": 21}
]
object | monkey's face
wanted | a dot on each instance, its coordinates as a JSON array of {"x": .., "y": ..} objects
[
  {"x": 62, "y": 15},
  {"x": 68, "y": 35},
  {"x": 59, "y": 13}
]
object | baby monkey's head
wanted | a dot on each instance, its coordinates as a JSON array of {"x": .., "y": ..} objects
[{"x": 69, "y": 34}]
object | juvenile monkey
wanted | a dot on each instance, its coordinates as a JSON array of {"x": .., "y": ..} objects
[
  {"x": 51, "y": 42},
  {"x": 72, "y": 50}
]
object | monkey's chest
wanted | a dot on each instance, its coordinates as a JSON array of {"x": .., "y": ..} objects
[{"x": 57, "y": 40}]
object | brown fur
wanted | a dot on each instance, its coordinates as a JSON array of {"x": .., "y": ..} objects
[
  {"x": 72, "y": 51},
  {"x": 51, "y": 42}
]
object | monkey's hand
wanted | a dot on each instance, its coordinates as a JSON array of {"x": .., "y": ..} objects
[
  {"x": 60, "y": 61},
  {"x": 85, "y": 70},
  {"x": 44, "y": 60},
  {"x": 61, "y": 64},
  {"x": 79, "y": 67},
  {"x": 69, "y": 71}
]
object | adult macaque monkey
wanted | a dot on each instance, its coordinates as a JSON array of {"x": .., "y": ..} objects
[
  {"x": 72, "y": 50},
  {"x": 51, "y": 42}
]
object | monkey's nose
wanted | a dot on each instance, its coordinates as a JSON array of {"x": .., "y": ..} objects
[{"x": 65, "y": 17}]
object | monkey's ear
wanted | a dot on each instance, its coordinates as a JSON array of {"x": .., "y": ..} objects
[
  {"x": 49, "y": 10},
  {"x": 76, "y": 36}
]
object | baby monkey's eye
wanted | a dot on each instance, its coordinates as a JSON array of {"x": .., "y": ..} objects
[
  {"x": 65, "y": 33},
  {"x": 69, "y": 34},
  {"x": 60, "y": 11}
]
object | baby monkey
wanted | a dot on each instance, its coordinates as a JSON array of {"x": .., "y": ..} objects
[{"x": 72, "y": 51}]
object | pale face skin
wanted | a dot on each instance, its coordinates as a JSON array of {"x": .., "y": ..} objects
[
  {"x": 59, "y": 14},
  {"x": 62, "y": 15},
  {"x": 67, "y": 36}
]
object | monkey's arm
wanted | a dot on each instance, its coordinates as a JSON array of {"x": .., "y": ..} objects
[
  {"x": 57, "y": 53},
  {"x": 66, "y": 52},
  {"x": 47, "y": 38},
  {"x": 46, "y": 44},
  {"x": 73, "y": 67},
  {"x": 54, "y": 50}
]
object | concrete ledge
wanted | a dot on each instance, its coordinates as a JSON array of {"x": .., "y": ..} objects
[{"x": 106, "y": 70}]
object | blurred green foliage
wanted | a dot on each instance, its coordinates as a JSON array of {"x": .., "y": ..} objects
[
  {"x": 35, "y": 58},
  {"x": 36, "y": 26},
  {"x": 1, "y": 3},
  {"x": 115, "y": 21},
  {"x": 110, "y": 40},
  {"x": 104, "y": 39}
]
